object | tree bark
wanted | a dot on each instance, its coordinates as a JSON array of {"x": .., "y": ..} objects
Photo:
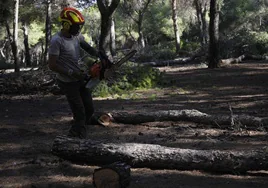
[
  {"x": 175, "y": 24},
  {"x": 159, "y": 157},
  {"x": 113, "y": 45},
  {"x": 226, "y": 62},
  {"x": 26, "y": 45},
  {"x": 106, "y": 9},
  {"x": 179, "y": 61},
  {"x": 214, "y": 34},
  {"x": 196, "y": 116},
  {"x": 13, "y": 45},
  {"x": 139, "y": 22},
  {"x": 48, "y": 30},
  {"x": 201, "y": 11},
  {"x": 15, "y": 37}
]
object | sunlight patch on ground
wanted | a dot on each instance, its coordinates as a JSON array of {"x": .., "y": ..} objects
[
  {"x": 71, "y": 179},
  {"x": 182, "y": 67},
  {"x": 245, "y": 104},
  {"x": 11, "y": 146}
]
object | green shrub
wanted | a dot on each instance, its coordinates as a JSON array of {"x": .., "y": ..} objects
[
  {"x": 163, "y": 51},
  {"x": 133, "y": 77}
]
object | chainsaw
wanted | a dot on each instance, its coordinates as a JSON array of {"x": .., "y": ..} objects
[{"x": 105, "y": 69}]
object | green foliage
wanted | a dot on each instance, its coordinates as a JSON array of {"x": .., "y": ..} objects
[
  {"x": 36, "y": 32},
  {"x": 158, "y": 24},
  {"x": 162, "y": 51},
  {"x": 242, "y": 30},
  {"x": 5, "y": 11},
  {"x": 260, "y": 41},
  {"x": 134, "y": 77},
  {"x": 189, "y": 46},
  {"x": 91, "y": 29},
  {"x": 244, "y": 42}
]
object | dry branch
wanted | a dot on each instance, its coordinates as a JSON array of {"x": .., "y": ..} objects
[{"x": 159, "y": 157}]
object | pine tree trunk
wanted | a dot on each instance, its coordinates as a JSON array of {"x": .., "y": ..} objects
[
  {"x": 175, "y": 25},
  {"x": 113, "y": 45},
  {"x": 48, "y": 30},
  {"x": 15, "y": 37},
  {"x": 159, "y": 157},
  {"x": 214, "y": 34},
  {"x": 26, "y": 45},
  {"x": 106, "y": 9},
  {"x": 204, "y": 25}
]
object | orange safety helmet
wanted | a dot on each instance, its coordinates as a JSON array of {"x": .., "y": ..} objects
[{"x": 72, "y": 16}]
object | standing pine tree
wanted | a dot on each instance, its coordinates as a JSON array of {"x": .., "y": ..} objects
[{"x": 214, "y": 34}]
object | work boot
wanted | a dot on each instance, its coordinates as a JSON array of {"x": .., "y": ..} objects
[{"x": 81, "y": 133}]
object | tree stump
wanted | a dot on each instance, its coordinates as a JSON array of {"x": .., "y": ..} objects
[{"x": 116, "y": 175}]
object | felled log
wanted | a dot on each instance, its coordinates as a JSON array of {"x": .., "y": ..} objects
[
  {"x": 159, "y": 157},
  {"x": 225, "y": 62},
  {"x": 178, "y": 61},
  {"x": 113, "y": 175},
  {"x": 193, "y": 115},
  {"x": 168, "y": 62}
]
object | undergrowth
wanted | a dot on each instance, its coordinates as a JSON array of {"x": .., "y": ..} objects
[{"x": 131, "y": 77}]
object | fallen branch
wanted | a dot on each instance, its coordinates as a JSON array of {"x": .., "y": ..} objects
[{"x": 159, "y": 157}]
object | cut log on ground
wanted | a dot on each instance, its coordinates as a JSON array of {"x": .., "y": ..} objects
[
  {"x": 168, "y": 62},
  {"x": 113, "y": 175},
  {"x": 159, "y": 157},
  {"x": 193, "y": 115},
  {"x": 226, "y": 62},
  {"x": 178, "y": 61}
]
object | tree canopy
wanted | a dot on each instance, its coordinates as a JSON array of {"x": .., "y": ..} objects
[{"x": 146, "y": 24}]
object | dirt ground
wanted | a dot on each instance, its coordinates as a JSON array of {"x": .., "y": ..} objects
[{"x": 30, "y": 123}]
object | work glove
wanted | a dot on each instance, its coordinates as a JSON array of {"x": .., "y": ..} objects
[{"x": 80, "y": 75}]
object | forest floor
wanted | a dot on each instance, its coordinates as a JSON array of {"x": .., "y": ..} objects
[{"x": 30, "y": 123}]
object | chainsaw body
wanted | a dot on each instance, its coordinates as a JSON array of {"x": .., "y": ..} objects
[{"x": 105, "y": 69}]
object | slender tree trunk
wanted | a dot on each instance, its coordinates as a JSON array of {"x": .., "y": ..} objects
[
  {"x": 26, "y": 45},
  {"x": 113, "y": 45},
  {"x": 104, "y": 43},
  {"x": 11, "y": 41},
  {"x": 175, "y": 24},
  {"x": 214, "y": 34},
  {"x": 141, "y": 41},
  {"x": 199, "y": 20},
  {"x": 2, "y": 52},
  {"x": 204, "y": 25},
  {"x": 15, "y": 36},
  {"x": 48, "y": 29},
  {"x": 201, "y": 11},
  {"x": 107, "y": 8}
]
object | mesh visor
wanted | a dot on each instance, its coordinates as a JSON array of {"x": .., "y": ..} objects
[{"x": 75, "y": 29}]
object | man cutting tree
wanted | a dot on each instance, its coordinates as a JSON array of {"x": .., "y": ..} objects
[{"x": 64, "y": 54}]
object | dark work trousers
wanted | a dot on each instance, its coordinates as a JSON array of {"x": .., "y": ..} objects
[{"x": 81, "y": 104}]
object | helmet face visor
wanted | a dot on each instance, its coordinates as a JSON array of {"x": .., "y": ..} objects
[{"x": 75, "y": 29}]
